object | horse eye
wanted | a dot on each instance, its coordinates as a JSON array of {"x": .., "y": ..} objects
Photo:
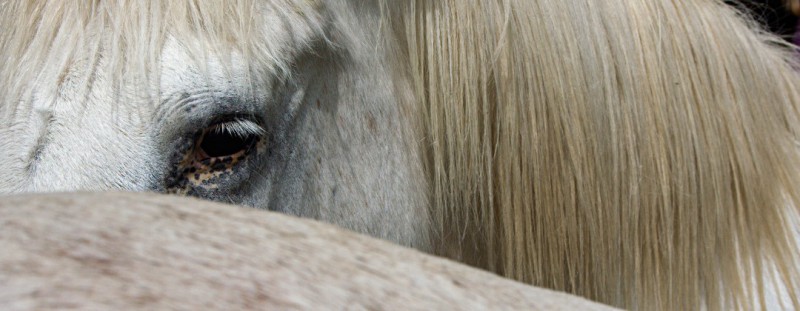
[{"x": 226, "y": 139}]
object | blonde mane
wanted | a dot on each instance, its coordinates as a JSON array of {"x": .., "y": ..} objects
[
  {"x": 638, "y": 153},
  {"x": 132, "y": 42}
]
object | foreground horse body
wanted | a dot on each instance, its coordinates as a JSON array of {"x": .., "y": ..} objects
[
  {"x": 123, "y": 252},
  {"x": 639, "y": 153}
]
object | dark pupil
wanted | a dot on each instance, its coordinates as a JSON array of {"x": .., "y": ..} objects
[{"x": 220, "y": 144}]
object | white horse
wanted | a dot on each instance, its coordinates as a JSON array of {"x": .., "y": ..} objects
[{"x": 639, "y": 153}]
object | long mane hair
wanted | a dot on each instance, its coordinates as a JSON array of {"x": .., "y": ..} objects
[{"x": 639, "y": 153}]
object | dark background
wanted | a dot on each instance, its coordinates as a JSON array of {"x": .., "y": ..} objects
[{"x": 770, "y": 13}]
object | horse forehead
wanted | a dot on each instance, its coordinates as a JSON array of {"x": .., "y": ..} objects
[{"x": 182, "y": 71}]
